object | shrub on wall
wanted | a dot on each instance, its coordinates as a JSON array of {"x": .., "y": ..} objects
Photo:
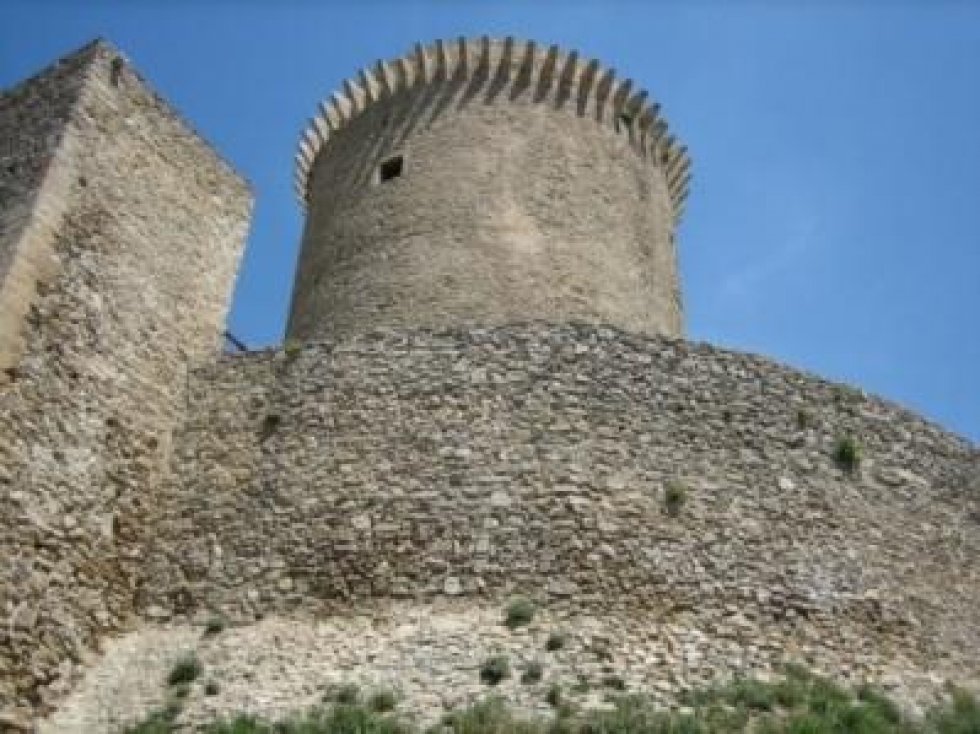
[
  {"x": 185, "y": 670},
  {"x": 495, "y": 669},
  {"x": 847, "y": 453},
  {"x": 383, "y": 700},
  {"x": 556, "y": 641},
  {"x": 799, "y": 702},
  {"x": 215, "y": 625},
  {"x": 533, "y": 672},
  {"x": 675, "y": 497},
  {"x": 519, "y": 612}
]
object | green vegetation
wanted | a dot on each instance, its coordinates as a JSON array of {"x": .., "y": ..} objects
[
  {"x": 215, "y": 625},
  {"x": 491, "y": 716},
  {"x": 799, "y": 702},
  {"x": 675, "y": 496},
  {"x": 961, "y": 715},
  {"x": 847, "y": 453},
  {"x": 533, "y": 672},
  {"x": 185, "y": 670},
  {"x": 339, "y": 719},
  {"x": 616, "y": 682},
  {"x": 519, "y": 612},
  {"x": 292, "y": 348},
  {"x": 348, "y": 694},
  {"x": 158, "y": 722},
  {"x": 383, "y": 700},
  {"x": 554, "y": 696},
  {"x": 556, "y": 641},
  {"x": 495, "y": 669}
]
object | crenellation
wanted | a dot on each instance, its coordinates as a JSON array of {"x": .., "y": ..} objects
[
  {"x": 383, "y": 74},
  {"x": 587, "y": 80},
  {"x": 421, "y": 75},
  {"x": 539, "y": 137},
  {"x": 400, "y": 73},
  {"x": 441, "y": 71},
  {"x": 558, "y": 77}
]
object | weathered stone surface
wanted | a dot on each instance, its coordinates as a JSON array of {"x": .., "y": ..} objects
[
  {"x": 120, "y": 234},
  {"x": 513, "y": 202},
  {"x": 390, "y": 472},
  {"x": 430, "y": 653},
  {"x": 675, "y": 508}
]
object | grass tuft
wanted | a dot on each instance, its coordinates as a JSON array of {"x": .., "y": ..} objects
[
  {"x": 185, "y": 670},
  {"x": 519, "y": 612},
  {"x": 495, "y": 669},
  {"x": 215, "y": 625},
  {"x": 554, "y": 697},
  {"x": 847, "y": 454},
  {"x": 383, "y": 700},
  {"x": 292, "y": 349},
  {"x": 556, "y": 641},
  {"x": 675, "y": 497},
  {"x": 799, "y": 702},
  {"x": 348, "y": 694},
  {"x": 533, "y": 672}
]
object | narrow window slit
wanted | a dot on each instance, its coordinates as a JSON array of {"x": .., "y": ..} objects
[{"x": 391, "y": 168}]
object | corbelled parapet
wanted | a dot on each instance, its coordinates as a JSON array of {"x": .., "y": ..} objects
[
  {"x": 549, "y": 72},
  {"x": 488, "y": 181}
]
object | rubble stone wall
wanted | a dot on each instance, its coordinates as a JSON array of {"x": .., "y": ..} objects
[
  {"x": 141, "y": 259},
  {"x": 34, "y": 180},
  {"x": 416, "y": 465}
]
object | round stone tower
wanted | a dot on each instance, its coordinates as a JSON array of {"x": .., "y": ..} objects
[{"x": 485, "y": 182}]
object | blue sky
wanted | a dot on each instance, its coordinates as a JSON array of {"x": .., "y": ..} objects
[{"x": 834, "y": 217}]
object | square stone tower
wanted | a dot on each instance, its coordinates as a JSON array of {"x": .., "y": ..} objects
[{"x": 121, "y": 232}]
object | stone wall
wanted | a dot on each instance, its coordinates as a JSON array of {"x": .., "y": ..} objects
[
  {"x": 140, "y": 261},
  {"x": 34, "y": 179},
  {"x": 523, "y": 194},
  {"x": 409, "y": 466}
]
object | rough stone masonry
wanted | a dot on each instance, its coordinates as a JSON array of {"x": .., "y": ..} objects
[
  {"x": 484, "y": 393},
  {"x": 120, "y": 235}
]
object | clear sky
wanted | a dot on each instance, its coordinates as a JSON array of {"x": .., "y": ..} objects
[{"x": 834, "y": 217}]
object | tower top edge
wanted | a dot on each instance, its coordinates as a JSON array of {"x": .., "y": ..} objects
[{"x": 548, "y": 70}]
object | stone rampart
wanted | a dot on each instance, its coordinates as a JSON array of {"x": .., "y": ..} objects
[{"x": 416, "y": 465}]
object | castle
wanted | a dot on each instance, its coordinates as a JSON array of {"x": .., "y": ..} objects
[{"x": 484, "y": 392}]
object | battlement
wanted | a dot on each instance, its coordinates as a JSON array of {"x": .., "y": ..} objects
[{"x": 506, "y": 69}]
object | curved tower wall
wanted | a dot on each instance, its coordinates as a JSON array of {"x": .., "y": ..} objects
[{"x": 532, "y": 185}]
